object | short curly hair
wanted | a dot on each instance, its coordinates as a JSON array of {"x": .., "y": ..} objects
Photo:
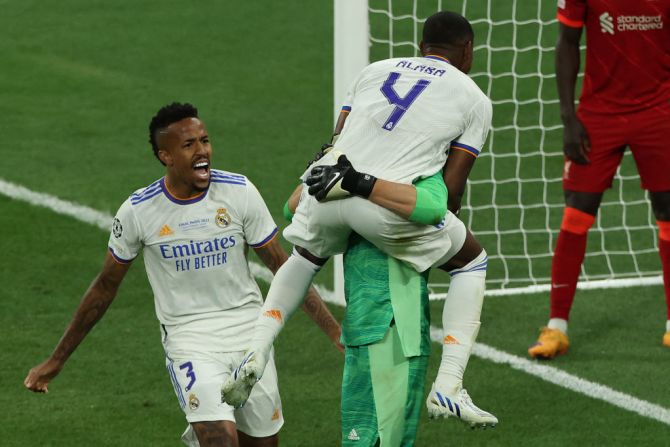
[
  {"x": 447, "y": 28},
  {"x": 167, "y": 115}
]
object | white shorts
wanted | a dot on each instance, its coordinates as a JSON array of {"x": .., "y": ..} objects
[
  {"x": 323, "y": 229},
  {"x": 197, "y": 380}
]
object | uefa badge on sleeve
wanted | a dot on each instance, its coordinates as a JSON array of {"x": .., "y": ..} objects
[
  {"x": 222, "y": 218},
  {"x": 117, "y": 228}
]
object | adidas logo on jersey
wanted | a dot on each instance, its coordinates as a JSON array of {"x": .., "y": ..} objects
[
  {"x": 276, "y": 414},
  {"x": 353, "y": 435},
  {"x": 165, "y": 231}
]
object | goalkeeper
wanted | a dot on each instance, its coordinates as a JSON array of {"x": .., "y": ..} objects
[{"x": 386, "y": 334}]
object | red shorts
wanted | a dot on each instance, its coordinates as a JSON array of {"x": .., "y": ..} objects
[{"x": 647, "y": 133}]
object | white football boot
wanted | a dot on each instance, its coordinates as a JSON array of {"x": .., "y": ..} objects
[
  {"x": 460, "y": 405},
  {"x": 238, "y": 387}
]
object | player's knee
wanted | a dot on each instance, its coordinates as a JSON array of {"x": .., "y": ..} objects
[
  {"x": 304, "y": 255},
  {"x": 576, "y": 221},
  {"x": 477, "y": 266},
  {"x": 308, "y": 260},
  {"x": 481, "y": 262}
]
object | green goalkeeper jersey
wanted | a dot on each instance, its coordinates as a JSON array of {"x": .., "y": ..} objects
[{"x": 381, "y": 291}]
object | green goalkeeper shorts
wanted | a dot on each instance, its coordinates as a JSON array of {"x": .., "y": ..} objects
[{"x": 382, "y": 394}]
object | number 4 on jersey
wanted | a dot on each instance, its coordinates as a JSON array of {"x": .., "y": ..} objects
[{"x": 401, "y": 104}]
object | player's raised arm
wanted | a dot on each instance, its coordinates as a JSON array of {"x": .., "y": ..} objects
[
  {"x": 575, "y": 139},
  {"x": 456, "y": 172},
  {"x": 273, "y": 256},
  {"x": 92, "y": 307}
]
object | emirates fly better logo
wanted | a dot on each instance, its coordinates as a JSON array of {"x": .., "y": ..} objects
[{"x": 606, "y": 23}]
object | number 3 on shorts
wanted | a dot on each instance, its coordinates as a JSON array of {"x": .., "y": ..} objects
[
  {"x": 190, "y": 374},
  {"x": 401, "y": 104}
]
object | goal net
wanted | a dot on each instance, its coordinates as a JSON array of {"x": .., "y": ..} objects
[{"x": 514, "y": 199}]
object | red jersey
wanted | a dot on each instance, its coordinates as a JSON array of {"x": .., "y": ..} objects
[{"x": 627, "y": 52}]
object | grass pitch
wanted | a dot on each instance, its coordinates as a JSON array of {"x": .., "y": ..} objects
[{"x": 78, "y": 85}]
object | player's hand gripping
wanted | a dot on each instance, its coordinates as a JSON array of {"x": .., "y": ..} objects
[
  {"x": 576, "y": 144},
  {"x": 39, "y": 377},
  {"x": 330, "y": 182},
  {"x": 319, "y": 155}
]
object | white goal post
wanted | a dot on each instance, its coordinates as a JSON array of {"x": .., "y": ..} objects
[{"x": 514, "y": 200}]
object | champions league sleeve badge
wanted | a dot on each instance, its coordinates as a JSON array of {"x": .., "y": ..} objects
[
  {"x": 117, "y": 228},
  {"x": 222, "y": 218}
]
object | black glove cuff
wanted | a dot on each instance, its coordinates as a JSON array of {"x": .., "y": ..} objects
[{"x": 358, "y": 183}]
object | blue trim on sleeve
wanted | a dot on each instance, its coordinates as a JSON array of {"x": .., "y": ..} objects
[
  {"x": 346, "y": 108},
  {"x": 474, "y": 151},
  {"x": 119, "y": 260},
  {"x": 266, "y": 240}
]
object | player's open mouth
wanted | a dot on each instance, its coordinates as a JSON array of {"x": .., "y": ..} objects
[{"x": 201, "y": 169}]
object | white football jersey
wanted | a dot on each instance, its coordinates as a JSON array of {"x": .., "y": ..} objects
[
  {"x": 195, "y": 253},
  {"x": 406, "y": 113}
]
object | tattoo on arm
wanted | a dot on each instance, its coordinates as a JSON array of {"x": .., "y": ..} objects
[
  {"x": 272, "y": 254},
  {"x": 320, "y": 314},
  {"x": 93, "y": 306}
]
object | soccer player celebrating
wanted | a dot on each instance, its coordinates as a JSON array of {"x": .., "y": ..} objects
[
  {"x": 404, "y": 114},
  {"x": 194, "y": 226},
  {"x": 624, "y": 102},
  {"x": 385, "y": 329}
]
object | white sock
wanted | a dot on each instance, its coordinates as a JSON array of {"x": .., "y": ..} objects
[
  {"x": 558, "y": 323},
  {"x": 460, "y": 322},
  {"x": 286, "y": 294},
  {"x": 667, "y": 326}
]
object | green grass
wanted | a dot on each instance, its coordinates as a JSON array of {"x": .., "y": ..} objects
[{"x": 78, "y": 85}]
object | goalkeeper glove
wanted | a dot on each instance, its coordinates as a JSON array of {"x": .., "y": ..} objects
[{"x": 338, "y": 181}]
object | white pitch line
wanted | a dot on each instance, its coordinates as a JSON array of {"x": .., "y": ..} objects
[
  {"x": 103, "y": 221},
  {"x": 553, "y": 375},
  {"x": 567, "y": 380},
  {"x": 59, "y": 206}
]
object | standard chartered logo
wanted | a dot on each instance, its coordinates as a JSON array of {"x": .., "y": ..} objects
[
  {"x": 606, "y": 23},
  {"x": 629, "y": 23}
]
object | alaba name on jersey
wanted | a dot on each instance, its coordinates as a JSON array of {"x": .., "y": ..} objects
[
  {"x": 406, "y": 113},
  {"x": 627, "y": 52},
  {"x": 195, "y": 253}
]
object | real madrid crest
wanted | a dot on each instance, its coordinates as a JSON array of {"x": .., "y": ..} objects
[
  {"x": 222, "y": 218},
  {"x": 193, "y": 402}
]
